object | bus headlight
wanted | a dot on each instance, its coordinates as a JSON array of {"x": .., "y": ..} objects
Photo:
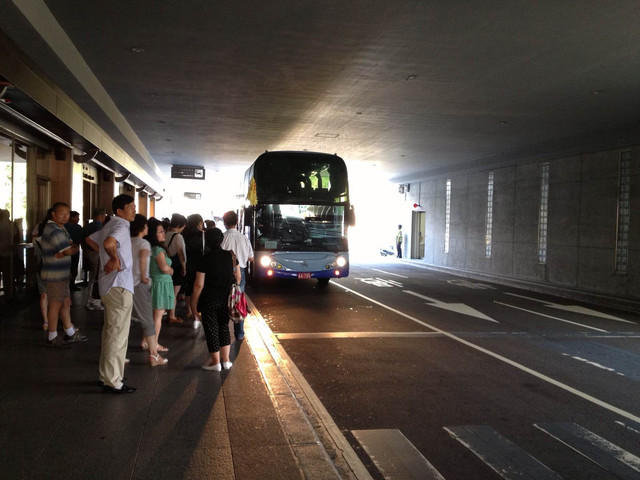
[
  {"x": 341, "y": 261},
  {"x": 265, "y": 261}
]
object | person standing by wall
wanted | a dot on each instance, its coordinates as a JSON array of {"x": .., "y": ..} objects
[
  {"x": 237, "y": 243},
  {"x": 91, "y": 259},
  {"x": 77, "y": 236},
  {"x": 399, "y": 238},
  {"x": 57, "y": 249},
  {"x": 116, "y": 290}
]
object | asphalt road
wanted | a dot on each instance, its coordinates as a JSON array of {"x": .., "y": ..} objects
[{"x": 485, "y": 381}]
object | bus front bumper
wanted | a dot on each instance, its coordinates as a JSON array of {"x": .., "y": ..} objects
[{"x": 327, "y": 273}]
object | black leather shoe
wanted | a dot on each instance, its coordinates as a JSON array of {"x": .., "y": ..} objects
[
  {"x": 124, "y": 389},
  {"x": 101, "y": 383}
]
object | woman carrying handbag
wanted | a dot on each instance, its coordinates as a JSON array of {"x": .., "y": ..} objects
[{"x": 215, "y": 275}]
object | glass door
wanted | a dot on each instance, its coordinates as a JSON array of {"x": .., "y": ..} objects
[
  {"x": 418, "y": 222},
  {"x": 13, "y": 211}
]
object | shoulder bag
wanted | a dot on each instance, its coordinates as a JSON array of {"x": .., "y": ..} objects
[{"x": 237, "y": 302}]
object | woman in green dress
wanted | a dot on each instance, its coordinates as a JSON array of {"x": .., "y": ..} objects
[{"x": 160, "y": 271}]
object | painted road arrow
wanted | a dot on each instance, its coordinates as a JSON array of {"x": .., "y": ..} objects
[
  {"x": 454, "y": 307},
  {"x": 572, "y": 308}
]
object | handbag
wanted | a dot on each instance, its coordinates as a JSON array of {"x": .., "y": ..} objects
[
  {"x": 175, "y": 263},
  {"x": 237, "y": 304}
]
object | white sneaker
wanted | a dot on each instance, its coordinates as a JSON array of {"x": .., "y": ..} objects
[
  {"x": 227, "y": 365},
  {"x": 213, "y": 368},
  {"x": 196, "y": 324}
]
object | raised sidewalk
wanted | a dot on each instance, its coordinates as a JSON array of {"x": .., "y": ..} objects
[{"x": 252, "y": 422}]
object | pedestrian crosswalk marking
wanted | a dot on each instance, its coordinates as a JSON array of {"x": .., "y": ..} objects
[
  {"x": 500, "y": 454},
  {"x": 395, "y": 456},
  {"x": 603, "y": 453}
]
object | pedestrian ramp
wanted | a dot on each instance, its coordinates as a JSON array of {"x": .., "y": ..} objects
[{"x": 395, "y": 456}]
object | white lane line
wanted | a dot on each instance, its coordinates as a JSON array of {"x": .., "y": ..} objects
[
  {"x": 594, "y": 364},
  {"x": 628, "y": 427},
  {"x": 395, "y": 456},
  {"x": 389, "y": 273},
  {"x": 454, "y": 307},
  {"x": 549, "y": 316},
  {"x": 573, "y": 308},
  {"x": 519, "y": 366}
]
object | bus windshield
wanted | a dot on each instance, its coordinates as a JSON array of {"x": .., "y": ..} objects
[
  {"x": 301, "y": 179},
  {"x": 300, "y": 227}
]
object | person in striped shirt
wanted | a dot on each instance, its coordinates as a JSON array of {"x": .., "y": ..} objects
[{"x": 57, "y": 249}]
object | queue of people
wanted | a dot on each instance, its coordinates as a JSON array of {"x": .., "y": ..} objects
[{"x": 140, "y": 272}]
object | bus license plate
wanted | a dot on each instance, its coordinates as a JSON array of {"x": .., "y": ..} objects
[{"x": 304, "y": 275}]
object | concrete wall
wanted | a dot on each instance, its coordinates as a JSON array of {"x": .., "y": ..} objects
[{"x": 582, "y": 223}]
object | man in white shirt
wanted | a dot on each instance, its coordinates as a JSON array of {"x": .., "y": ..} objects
[
  {"x": 115, "y": 282},
  {"x": 239, "y": 244}
]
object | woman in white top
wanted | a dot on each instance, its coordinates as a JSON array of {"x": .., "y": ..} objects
[{"x": 142, "y": 308}]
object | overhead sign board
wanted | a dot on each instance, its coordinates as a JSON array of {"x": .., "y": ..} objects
[{"x": 187, "y": 171}]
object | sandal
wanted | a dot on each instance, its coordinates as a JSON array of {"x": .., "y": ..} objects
[
  {"x": 45, "y": 326},
  {"x": 155, "y": 360},
  {"x": 144, "y": 345},
  {"x": 160, "y": 348},
  {"x": 176, "y": 320}
]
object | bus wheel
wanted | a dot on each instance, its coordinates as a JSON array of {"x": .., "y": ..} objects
[{"x": 323, "y": 282}]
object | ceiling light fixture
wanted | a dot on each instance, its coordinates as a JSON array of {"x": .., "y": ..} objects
[
  {"x": 327, "y": 135},
  {"x": 138, "y": 50},
  {"x": 411, "y": 77}
]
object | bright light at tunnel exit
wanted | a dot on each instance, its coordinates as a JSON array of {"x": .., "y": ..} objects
[{"x": 378, "y": 208}]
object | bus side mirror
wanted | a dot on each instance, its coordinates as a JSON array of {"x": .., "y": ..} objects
[{"x": 350, "y": 217}]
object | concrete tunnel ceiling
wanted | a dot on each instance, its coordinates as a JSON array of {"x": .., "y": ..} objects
[{"x": 413, "y": 87}]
